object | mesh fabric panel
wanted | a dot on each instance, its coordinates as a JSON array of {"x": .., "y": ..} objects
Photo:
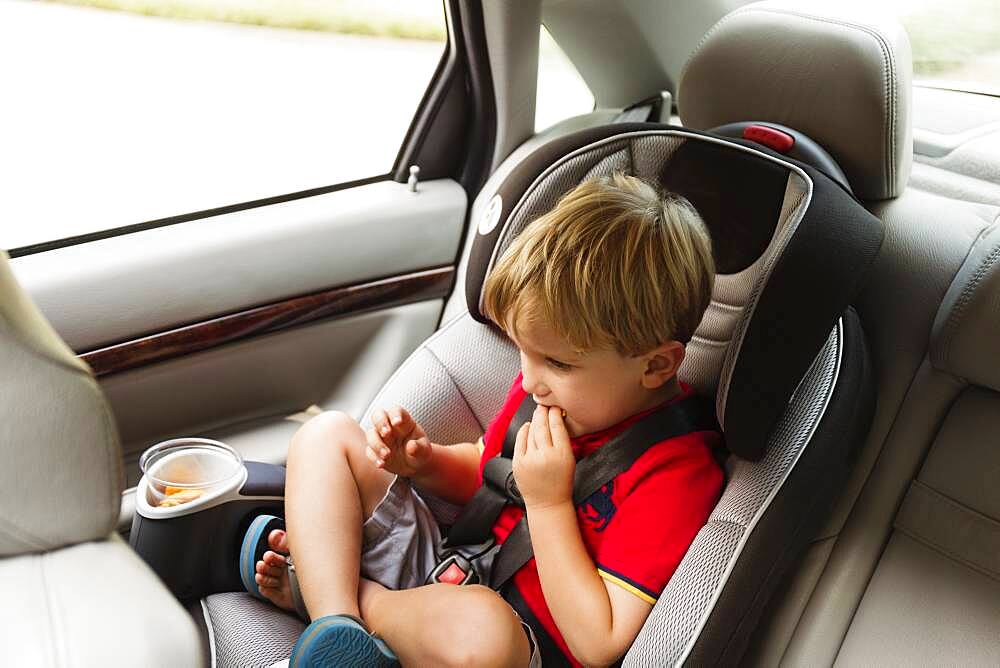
[
  {"x": 619, "y": 161},
  {"x": 650, "y": 154},
  {"x": 249, "y": 632},
  {"x": 689, "y": 597}
]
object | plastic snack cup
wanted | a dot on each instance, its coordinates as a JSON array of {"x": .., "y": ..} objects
[{"x": 185, "y": 469}]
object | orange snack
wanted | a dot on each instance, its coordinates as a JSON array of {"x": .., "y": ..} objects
[{"x": 178, "y": 495}]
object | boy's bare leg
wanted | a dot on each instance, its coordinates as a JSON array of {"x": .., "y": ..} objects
[
  {"x": 445, "y": 625},
  {"x": 331, "y": 487}
]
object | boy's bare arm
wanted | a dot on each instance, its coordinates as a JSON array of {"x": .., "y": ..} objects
[
  {"x": 598, "y": 620},
  {"x": 451, "y": 473}
]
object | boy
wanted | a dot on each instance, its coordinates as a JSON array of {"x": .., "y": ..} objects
[{"x": 600, "y": 296}]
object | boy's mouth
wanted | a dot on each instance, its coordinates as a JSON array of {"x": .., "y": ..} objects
[{"x": 562, "y": 411}]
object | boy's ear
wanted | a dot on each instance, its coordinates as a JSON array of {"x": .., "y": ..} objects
[{"x": 662, "y": 363}]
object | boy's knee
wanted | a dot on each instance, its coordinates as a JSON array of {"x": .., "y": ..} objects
[
  {"x": 328, "y": 429},
  {"x": 490, "y": 631}
]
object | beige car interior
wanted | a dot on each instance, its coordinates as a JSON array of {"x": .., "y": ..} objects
[{"x": 907, "y": 568}]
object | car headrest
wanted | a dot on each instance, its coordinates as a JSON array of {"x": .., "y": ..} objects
[
  {"x": 967, "y": 327},
  {"x": 791, "y": 247},
  {"x": 61, "y": 478},
  {"x": 843, "y": 80}
]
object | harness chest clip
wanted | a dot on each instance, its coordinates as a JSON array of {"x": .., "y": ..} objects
[{"x": 454, "y": 569}]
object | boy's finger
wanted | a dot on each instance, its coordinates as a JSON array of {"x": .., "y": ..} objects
[
  {"x": 405, "y": 417},
  {"x": 384, "y": 428},
  {"x": 420, "y": 444},
  {"x": 372, "y": 456},
  {"x": 521, "y": 442},
  {"x": 540, "y": 428},
  {"x": 396, "y": 416},
  {"x": 557, "y": 427}
]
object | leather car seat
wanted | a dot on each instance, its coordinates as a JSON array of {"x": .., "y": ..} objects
[{"x": 74, "y": 592}]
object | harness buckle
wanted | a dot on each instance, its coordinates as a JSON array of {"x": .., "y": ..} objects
[{"x": 456, "y": 570}]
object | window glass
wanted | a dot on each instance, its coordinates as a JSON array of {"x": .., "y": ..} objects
[
  {"x": 126, "y": 111},
  {"x": 561, "y": 90},
  {"x": 956, "y": 43}
]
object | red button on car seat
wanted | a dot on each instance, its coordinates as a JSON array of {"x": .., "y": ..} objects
[
  {"x": 781, "y": 142},
  {"x": 452, "y": 575}
]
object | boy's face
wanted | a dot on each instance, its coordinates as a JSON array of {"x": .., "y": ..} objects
[{"x": 597, "y": 389}]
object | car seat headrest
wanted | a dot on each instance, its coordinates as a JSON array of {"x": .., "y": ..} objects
[
  {"x": 790, "y": 246},
  {"x": 845, "y": 81},
  {"x": 967, "y": 326}
]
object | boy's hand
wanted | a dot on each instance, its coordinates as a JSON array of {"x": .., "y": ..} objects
[
  {"x": 397, "y": 443},
  {"x": 543, "y": 460}
]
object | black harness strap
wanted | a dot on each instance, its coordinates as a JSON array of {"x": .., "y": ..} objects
[
  {"x": 595, "y": 470},
  {"x": 475, "y": 524},
  {"x": 552, "y": 656}
]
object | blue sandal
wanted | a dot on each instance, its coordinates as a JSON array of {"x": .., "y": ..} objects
[
  {"x": 340, "y": 640},
  {"x": 253, "y": 549}
]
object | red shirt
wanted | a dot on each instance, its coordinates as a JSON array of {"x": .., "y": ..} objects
[{"x": 638, "y": 526}]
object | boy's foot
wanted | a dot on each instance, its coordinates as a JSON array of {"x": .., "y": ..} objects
[{"x": 272, "y": 571}]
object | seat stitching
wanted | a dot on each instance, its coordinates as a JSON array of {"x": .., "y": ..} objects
[
  {"x": 458, "y": 389},
  {"x": 114, "y": 455},
  {"x": 718, "y": 26},
  {"x": 945, "y": 552},
  {"x": 888, "y": 76},
  {"x": 411, "y": 359},
  {"x": 57, "y": 637},
  {"x": 958, "y": 310},
  {"x": 22, "y": 536}
]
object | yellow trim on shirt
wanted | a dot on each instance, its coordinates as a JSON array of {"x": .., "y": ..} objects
[
  {"x": 481, "y": 445},
  {"x": 627, "y": 587}
]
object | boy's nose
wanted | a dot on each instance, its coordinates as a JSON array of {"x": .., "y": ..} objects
[{"x": 531, "y": 385}]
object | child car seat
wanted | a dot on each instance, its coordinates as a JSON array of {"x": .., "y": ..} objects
[{"x": 779, "y": 348}]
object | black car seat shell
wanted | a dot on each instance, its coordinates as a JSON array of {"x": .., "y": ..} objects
[{"x": 779, "y": 348}]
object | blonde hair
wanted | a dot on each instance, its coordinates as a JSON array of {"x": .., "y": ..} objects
[{"x": 616, "y": 264}]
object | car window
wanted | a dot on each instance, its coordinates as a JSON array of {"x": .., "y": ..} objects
[
  {"x": 956, "y": 43},
  {"x": 126, "y": 111},
  {"x": 562, "y": 92}
]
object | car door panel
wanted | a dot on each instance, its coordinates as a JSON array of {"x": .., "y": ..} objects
[
  {"x": 264, "y": 312},
  {"x": 119, "y": 288}
]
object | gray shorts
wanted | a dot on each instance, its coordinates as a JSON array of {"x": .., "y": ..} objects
[{"x": 398, "y": 543}]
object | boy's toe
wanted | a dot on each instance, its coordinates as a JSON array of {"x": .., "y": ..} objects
[
  {"x": 274, "y": 559},
  {"x": 277, "y": 540}
]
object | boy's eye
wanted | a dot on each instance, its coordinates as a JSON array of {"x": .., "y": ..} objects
[{"x": 556, "y": 364}]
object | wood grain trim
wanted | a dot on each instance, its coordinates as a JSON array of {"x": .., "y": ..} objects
[{"x": 269, "y": 318}]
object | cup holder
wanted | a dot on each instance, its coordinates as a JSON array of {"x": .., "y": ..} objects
[{"x": 183, "y": 470}]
